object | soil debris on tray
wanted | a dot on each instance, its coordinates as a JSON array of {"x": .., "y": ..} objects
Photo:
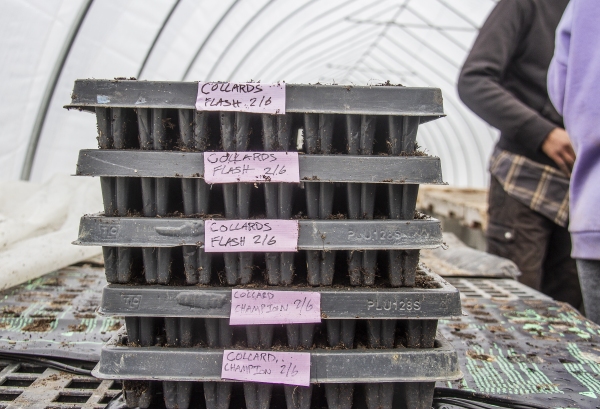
[
  {"x": 78, "y": 328},
  {"x": 39, "y": 325},
  {"x": 479, "y": 312},
  {"x": 463, "y": 335},
  {"x": 388, "y": 83},
  {"x": 424, "y": 281},
  {"x": 486, "y": 320},
  {"x": 115, "y": 327},
  {"x": 84, "y": 316},
  {"x": 14, "y": 311},
  {"x": 138, "y": 388},
  {"x": 56, "y": 303},
  {"x": 420, "y": 216},
  {"x": 482, "y": 357},
  {"x": 458, "y": 326},
  {"x": 33, "y": 295},
  {"x": 53, "y": 282},
  {"x": 43, "y": 315}
]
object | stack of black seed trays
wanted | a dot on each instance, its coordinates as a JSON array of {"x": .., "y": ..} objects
[{"x": 358, "y": 245}]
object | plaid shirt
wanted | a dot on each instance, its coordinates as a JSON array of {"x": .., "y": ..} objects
[{"x": 543, "y": 188}]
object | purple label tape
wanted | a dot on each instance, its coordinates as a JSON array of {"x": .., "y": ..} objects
[
  {"x": 289, "y": 368},
  {"x": 241, "y": 97},
  {"x": 234, "y": 167},
  {"x": 232, "y": 236},
  {"x": 250, "y": 307}
]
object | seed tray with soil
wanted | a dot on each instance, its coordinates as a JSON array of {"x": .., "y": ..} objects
[
  {"x": 370, "y": 365},
  {"x": 89, "y": 94},
  {"x": 340, "y": 378},
  {"x": 246, "y": 395},
  {"x": 329, "y": 335},
  {"x": 170, "y": 251},
  {"x": 435, "y": 298}
]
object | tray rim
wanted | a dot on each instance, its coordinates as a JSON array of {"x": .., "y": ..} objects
[
  {"x": 96, "y": 230},
  {"x": 443, "y": 349},
  {"x": 446, "y": 291},
  {"x": 425, "y": 102},
  {"x": 137, "y": 163}
]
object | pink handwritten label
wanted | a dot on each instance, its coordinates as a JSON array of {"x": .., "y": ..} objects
[
  {"x": 241, "y": 97},
  {"x": 289, "y": 368},
  {"x": 274, "y": 307},
  {"x": 265, "y": 235},
  {"x": 234, "y": 167}
]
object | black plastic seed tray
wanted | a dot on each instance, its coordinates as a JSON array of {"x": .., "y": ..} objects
[
  {"x": 379, "y": 100},
  {"x": 370, "y": 365},
  {"x": 437, "y": 300},
  {"x": 226, "y": 395},
  {"x": 190, "y": 265},
  {"x": 215, "y": 333},
  {"x": 367, "y": 378},
  {"x": 313, "y": 168},
  {"x": 332, "y": 119},
  {"x": 347, "y": 378},
  {"x": 170, "y": 250}
]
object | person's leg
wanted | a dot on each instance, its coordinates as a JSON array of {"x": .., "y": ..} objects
[
  {"x": 517, "y": 233},
  {"x": 589, "y": 277},
  {"x": 559, "y": 279}
]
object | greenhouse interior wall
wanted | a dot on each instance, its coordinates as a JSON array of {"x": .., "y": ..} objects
[{"x": 49, "y": 44}]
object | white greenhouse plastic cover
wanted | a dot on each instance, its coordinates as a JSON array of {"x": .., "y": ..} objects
[{"x": 361, "y": 42}]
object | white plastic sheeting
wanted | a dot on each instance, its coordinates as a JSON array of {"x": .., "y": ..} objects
[
  {"x": 38, "y": 222},
  {"x": 412, "y": 42}
]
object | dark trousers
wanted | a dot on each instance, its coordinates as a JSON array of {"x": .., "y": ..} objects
[
  {"x": 589, "y": 276},
  {"x": 539, "y": 247}
]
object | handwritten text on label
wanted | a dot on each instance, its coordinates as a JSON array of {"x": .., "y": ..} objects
[
  {"x": 289, "y": 368},
  {"x": 264, "y": 235},
  {"x": 233, "y": 167},
  {"x": 241, "y": 97},
  {"x": 274, "y": 307}
]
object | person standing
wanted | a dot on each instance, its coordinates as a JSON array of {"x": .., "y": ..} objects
[
  {"x": 574, "y": 88},
  {"x": 503, "y": 80}
]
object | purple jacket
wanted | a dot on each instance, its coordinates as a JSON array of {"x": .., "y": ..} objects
[{"x": 574, "y": 88}]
